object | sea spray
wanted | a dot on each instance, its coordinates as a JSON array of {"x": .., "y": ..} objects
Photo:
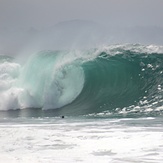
[
  {"x": 46, "y": 81},
  {"x": 9, "y": 72}
]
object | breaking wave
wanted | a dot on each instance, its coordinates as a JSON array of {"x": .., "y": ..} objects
[{"x": 108, "y": 79}]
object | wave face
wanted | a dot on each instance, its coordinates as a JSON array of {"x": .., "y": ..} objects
[{"x": 117, "y": 78}]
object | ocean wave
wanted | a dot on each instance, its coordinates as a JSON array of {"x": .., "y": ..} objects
[{"x": 85, "y": 81}]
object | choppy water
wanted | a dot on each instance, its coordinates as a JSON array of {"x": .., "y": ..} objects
[{"x": 82, "y": 140}]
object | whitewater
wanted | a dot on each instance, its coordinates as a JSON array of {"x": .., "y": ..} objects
[{"x": 111, "y": 98}]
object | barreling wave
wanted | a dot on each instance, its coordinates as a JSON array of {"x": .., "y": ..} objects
[{"x": 109, "y": 79}]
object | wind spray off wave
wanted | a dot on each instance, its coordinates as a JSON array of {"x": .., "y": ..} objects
[
  {"x": 83, "y": 82},
  {"x": 51, "y": 80}
]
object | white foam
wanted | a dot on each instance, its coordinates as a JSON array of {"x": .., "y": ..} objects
[
  {"x": 9, "y": 99},
  {"x": 137, "y": 48},
  {"x": 86, "y": 141},
  {"x": 8, "y": 75}
]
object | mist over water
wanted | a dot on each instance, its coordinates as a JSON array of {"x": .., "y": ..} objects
[{"x": 73, "y": 34}]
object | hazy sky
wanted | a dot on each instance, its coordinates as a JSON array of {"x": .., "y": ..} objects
[
  {"x": 142, "y": 22},
  {"x": 44, "y": 13}
]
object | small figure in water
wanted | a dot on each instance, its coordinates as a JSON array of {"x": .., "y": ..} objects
[{"x": 62, "y": 116}]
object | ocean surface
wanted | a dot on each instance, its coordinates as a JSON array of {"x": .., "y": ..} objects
[{"x": 111, "y": 98}]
